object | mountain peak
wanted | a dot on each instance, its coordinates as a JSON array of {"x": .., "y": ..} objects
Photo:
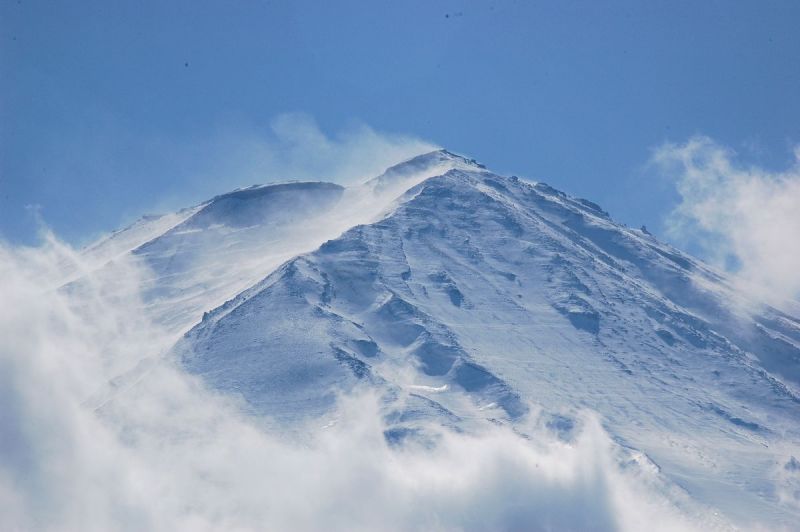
[
  {"x": 416, "y": 169},
  {"x": 466, "y": 299},
  {"x": 438, "y": 157}
]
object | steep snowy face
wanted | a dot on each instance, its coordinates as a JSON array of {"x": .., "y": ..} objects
[
  {"x": 198, "y": 258},
  {"x": 466, "y": 298},
  {"x": 408, "y": 173},
  {"x": 202, "y": 256},
  {"x": 478, "y": 296},
  {"x": 229, "y": 244}
]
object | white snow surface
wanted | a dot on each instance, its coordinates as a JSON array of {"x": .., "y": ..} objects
[{"x": 467, "y": 298}]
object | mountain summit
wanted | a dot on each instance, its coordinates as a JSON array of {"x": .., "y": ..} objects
[{"x": 464, "y": 297}]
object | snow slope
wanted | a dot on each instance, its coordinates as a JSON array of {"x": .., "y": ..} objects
[
  {"x": 466, "y": 298},
  {"x": 478, "y": 296},
  {"x": 202, "y": 256}
]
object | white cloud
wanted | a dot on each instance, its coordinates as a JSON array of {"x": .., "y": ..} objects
[
  {"x": 738, "y": 214},
  {"x": 294, "y": 147},
  {"x": 136, "y": 172},
  {"x": 164, "y": 453}
]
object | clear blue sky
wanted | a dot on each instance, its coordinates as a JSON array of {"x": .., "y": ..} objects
[{"x": 101, "y": 102}]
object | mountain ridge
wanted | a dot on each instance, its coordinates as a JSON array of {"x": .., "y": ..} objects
[{"x": 468, "y": 298}]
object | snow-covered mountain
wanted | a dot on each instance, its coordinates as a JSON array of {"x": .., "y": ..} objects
[{"x": 466, "y": 297}]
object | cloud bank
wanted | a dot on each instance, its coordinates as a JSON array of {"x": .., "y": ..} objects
[
  {"x": 743, "y": 217},
  {"x": 99, "y": 431}
]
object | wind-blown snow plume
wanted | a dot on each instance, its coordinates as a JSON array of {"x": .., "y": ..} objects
[
  {"x": 293, "y": 146},
  {"x": 165, "y": 453},
  {"x": 745, "y": 215}
]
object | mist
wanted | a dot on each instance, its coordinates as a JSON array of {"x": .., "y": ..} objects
[
  {"x": 743, "y": 218},
  {"x": 87, "y": 447}
]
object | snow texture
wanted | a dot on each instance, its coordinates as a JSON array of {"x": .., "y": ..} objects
[{"x": 464, "y": 300}]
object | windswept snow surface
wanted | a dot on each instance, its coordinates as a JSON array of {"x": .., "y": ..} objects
[
  {"x": 202, "y": 256},
  {"x": 621, "y": 383},
  {"x": 479, "y": 295}
]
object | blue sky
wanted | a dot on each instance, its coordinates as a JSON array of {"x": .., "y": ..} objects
[{"x": 112, "y": 109}]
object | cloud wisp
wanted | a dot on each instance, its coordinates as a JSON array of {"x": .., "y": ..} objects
[
  {"x": 744, "y": 217},
  {"x": 100, "y": 431},
  {"x": 115, "y": 173},
  {"x": 295, "y": 147}
]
